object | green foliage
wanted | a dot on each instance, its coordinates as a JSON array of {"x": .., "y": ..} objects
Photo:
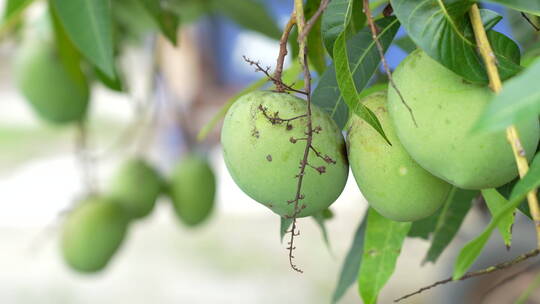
[
  {"x": 351, "y": 265},
  {"x": 317, "y": 53},
  {"x": 529, "y": 6},
  {"x": 470, "y": 252},
  {"x": 14, "y": 8},
  {"x": 382, "y": 245},
  {"x": 518, "y": 101},
  {"x": 88, "y": 24},
  {"x": 363, "y": 62},
  {"x": 449, "y": 221},
  {"x": 249, "y": 14},
  {"x": 495, "y": 202},
  {"x": 341, "y": 16},
  {"x": 167, "y": 21},
  {"x": 443, "y": 28}
]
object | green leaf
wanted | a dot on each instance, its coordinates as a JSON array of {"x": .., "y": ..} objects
[
  {"x": 470, "y": 252},
  {"x": 518, "y": 101},
  {"x": 529, "y": 6},
  {"x": 88, "y": 24},
  {"x": 406, "y": 44},
  {"x": 423, "y": 228},
  {"x": 348, "y": 89},
  {"x": 363, "y": 62},
  {"x": 284, "y": 225},
  {"x": 495, "y": 202},
  {"x": 249, "y": 14},
  {"x": 167, "y": 21},
  {"x": 321, "y": 222},
  {"x": 333, "y": 20},
  {"x": 351, "y": 265},
  {"x": 316, "y": 54},
  {"x": 443, "y": 31},
  {"x": 382, "y": 246},
  {"x": 489, "y": 18},
  {"x": 455, "y": 209}
]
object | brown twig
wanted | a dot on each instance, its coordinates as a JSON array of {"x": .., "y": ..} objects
[
  {"x": 375, "y": 36},
  {"x": 277, "y": 82},
  {"x": 282, "y": 53},
  {"x": 476, "y": 273},
  {"x": 311, "y": 22}
]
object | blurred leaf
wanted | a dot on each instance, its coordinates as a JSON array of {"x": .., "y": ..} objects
[
  {"x": 423, "y": 228},
  {"x": 69, "y": 55},
  {"x": 15, "y": 7},
  {"x": 495, "y": 202},
  {"x": 88, "y": 24},
  {"x": 470, "y": 252},
  {"x": 333, "y": 21},
  {"x": 489, "y": 18},
  {"x": 529, "y": 6},
  {"x": 455, "y": 209},
  {"x": 382, "y": 246},
  {"x": 284, "y": 225},
  {"x": 406, "y": 44},
  {"x": 518, "y": 101},
  {"x": 114, "y": 84},
  {"x": 321, "y": 222},
  {"x": 316, "y": 54},
  {"x": 250, "y": 14},
  {"x": 167, "y": 21},
  {"x": 443, "y": 31},
  {"x": 505, "y": 190},
  {"x": 363, "y": 62},
  {"x": 529, "y": 290},
  {"x": 351, "y": 265}
]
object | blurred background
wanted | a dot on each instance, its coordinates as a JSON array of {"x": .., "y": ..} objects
[{"x": 236, "y": 256}]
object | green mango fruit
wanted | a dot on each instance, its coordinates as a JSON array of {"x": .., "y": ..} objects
[
  {"x": 390, "y": 180},
  {"x": 92, "y": 233},
  {"x": 192, "y": 189},
  {"x": 446, "y": 107},
  {"x": 56, "y": 94},
  {"x": 263, "y": 153},
  {"x": 136, "y": 186}
]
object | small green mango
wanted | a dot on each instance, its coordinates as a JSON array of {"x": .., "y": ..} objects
[
  {"x": 193, "y": 189},
  {"x": 390, "y": 180},
  {"x": 56, "y": 94},
  {"x": 446, "y": 107},
  {"x": 92, "y": 233},
  {"x": 136, "y": 186},
  {"x": 263, "y": 153}
]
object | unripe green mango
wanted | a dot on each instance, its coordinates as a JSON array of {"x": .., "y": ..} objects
[
  {"x": 92, "y": 233},
  {"x": 390, "y": 180},
  {"x": 264, "y": 162},
  {"x": 446, "y": 107},
  {"x": 56, "y": 94},
  {"x": 136, "y": 185},
  {"x": 193, "y": 189}
]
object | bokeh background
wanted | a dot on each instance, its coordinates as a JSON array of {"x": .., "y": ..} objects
[{"x": 236, "y": 256}]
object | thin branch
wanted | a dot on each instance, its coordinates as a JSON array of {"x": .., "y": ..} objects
[
  {"x": 282, "y": 53},
  {"x": 375, "y": 36},
  {"x": 476, "y": 273},
  {"x": 511, "y": 132},
  {"x": 311, "y": 22},
  {"x": 266, "y": 71}
]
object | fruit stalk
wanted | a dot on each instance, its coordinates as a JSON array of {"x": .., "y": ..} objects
[
  {"x": 283, "y": 52},
  {"x": 495, "y": 84}
]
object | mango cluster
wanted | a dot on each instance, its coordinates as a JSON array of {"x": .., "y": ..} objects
[
  {"x": 431, "y": 150},
  {"x": 95, "y": 229}
]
